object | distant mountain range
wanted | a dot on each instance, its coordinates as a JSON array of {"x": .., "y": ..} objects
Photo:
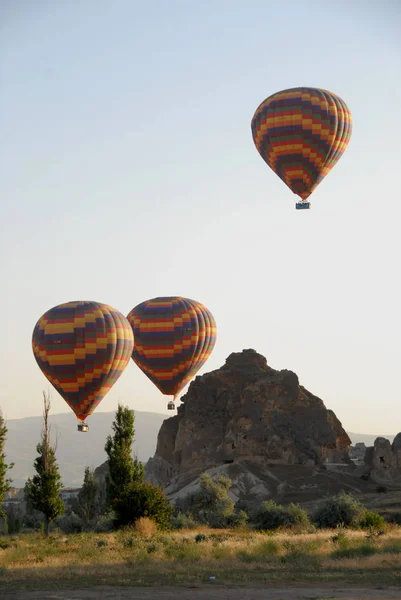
[{"x": 77, "y": 450}]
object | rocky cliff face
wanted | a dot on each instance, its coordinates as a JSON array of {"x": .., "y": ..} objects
[{"x": 247, "y": 411}]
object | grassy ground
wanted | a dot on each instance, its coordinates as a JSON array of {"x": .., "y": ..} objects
[{"x": 30, "y": 561}]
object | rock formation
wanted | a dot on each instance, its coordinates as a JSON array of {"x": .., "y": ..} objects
[
  {"x": 357, "y": 452},
  {"x": 246, "y": 412},
  {"x": 383, "y": 460}
]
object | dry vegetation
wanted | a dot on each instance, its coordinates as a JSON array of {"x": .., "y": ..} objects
[{"x": 145, "y": 556}]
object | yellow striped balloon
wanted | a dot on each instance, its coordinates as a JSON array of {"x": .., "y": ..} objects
[
  {"x": 82, "y": 348},
  {"x": 301, "y": 133},
  {"x": 174, "y": 337}
]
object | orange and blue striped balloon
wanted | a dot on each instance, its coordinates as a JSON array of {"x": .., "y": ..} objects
[
  {"x": 301, "y": 133},
  {"x": 82, "y": 348},
  {"x": 174, "y": 337}
]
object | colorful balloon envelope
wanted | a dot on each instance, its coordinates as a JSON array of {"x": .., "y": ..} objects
[
  {"x": 301, "y": 133},
  {"x": 82, "y": 348},
  {"x": 174, "y": 337}
]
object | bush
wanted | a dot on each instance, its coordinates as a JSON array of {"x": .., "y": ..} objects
[
  {"x": 268, "y": 548},
  {"x": 302, "y": 554},
  {"x": 237, "y": 519},
  {"x": 371, "y": 520},
  {"x": 127, "y": 539},
  {"x": 151, "y": 548},
  {"x": 340, "y": 511},
  {"x": 145, "y": 527},
  {"x": 32, "y": 522},
  {"x": 273, "y": 516},
  {"x": 142, "y": 500},
  {"x": 341, "y": 540},
  {"x": 184, "y": 551},
  {"x": 181, "y": 521},
  {"x": 210, "y": 504},
  {"x": 70, "y": 523},
  {"x": 105, "y": 523},
  {"x": 13, "y": 520}
]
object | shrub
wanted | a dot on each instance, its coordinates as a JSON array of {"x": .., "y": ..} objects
[
  {"x": 371, "y": 520},
  {"x": 70, "y": 523},
  {"x": 210, "y": 504},
  {"x": 105, "y": 523},
  {"x": 237, "y": 519},
  {"x": 181, "y": 521},
  {"x": 145, "y": 527},
  {"x": 302, "y": 554},
  {"x": 268, "y": 548},
  {"x": 128, "y": 539},
  {"x": 185, "y": 551},
  {"x": 272, "y": 516},
  {"x": 142, "y": 500},
  {"x": 341, "y": 510},
  {"x": 13, "y": 520},
  {"x": 165, "y": 540},
  {"x": 341, "y": 539}
]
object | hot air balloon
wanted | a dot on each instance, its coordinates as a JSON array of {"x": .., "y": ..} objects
[
  {"x": 174, "y": 337},
  {"x": 301, "y": 133},
  {"x": 82, "y": 348}
]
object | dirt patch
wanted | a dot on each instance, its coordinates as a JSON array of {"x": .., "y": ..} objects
[{"x": 210, "y": 592}]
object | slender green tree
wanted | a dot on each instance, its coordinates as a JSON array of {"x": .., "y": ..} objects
[
  {"x": 123, "y": 468},
  {"x": 43, "y": 490},
  {"x": 5, "y": 483},
  {"x": 88, "y": 498},
  {"x": 128, "y": 494}
]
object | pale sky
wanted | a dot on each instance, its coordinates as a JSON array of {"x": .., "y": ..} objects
[{"x": 128, "y": 171}]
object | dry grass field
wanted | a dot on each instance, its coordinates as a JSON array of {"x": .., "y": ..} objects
[{"x": 145, "y": 557}]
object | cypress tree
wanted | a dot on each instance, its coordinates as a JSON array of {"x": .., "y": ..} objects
[{"x": 43, "y": 490}]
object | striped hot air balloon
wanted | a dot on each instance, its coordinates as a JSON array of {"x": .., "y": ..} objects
[
  {"x": 174, "y": 337},
  {"x": 301, "y": 133},
  {"x": 82, "y": 348}
]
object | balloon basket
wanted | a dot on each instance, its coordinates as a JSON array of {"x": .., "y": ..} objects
[
  {"x": 302, "y": 205},
  {"x": 171, "y": 405},
  {"x": 83, "y": 427}
]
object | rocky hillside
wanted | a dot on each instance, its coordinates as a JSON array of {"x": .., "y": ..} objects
[{"x": 250, "y": 417}]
